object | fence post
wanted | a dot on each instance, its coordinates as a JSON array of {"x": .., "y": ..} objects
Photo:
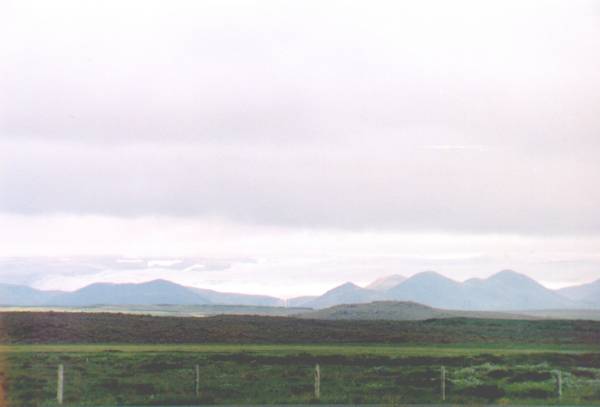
[
  {"x": 317, "y": 382},
  {"x": 60, "y": 385},
  {"x": 559, "y": 383},
  {"x": 443, "y": 380},
  {"x": 197, "y": 381}
]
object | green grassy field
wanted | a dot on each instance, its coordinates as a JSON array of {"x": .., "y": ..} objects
[
  {"x": 117, "y": 359},
  {"x": 313, "y": 349},
  {"x": 113, "y": 374}
]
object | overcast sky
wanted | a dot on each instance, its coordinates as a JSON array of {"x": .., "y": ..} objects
[{"x": 300, "y": 144}]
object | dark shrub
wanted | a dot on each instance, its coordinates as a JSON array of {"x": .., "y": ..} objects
[
  {"x": 299, "y": 389},
  {"x": 418, "y": 378},
  {"x": 484, "y": 391},
  {"x": 109, "y": 384},
  {"x": 144, "y": 388},
  {"x": 584, "y": 373},
  {"x": 594, "y": 396},
  {"x": 498, "y": 374},
  {"x": 160, "y": 366},
  {"x": 535, "y": 394},
  {"x": 531, "y": 376}
]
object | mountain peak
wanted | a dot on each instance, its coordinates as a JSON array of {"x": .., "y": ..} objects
[
  {"x": 347, "y": 293},
  {"x": 509, "y": 276},
  {"x": 429, "y": 275},
  {"x": 387, "y": 282},
  {"x": 159, "y": 281},
  {"x": 348, "y": 285}
]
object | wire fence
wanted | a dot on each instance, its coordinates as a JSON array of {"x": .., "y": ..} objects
[{"x": 195, "y": 377}]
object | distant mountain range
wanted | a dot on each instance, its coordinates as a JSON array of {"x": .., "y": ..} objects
[
  {"x": 21, "y": 295},
  {"x": 150, "y": 293},
  {"x": 504, "y": 291},
  {"x": 588, "y": 294},
  {"x": 347, "y": 293},
  {"x": 385, "y": 283}
]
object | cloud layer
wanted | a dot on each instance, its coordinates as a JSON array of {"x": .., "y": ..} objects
[
  {"x": 462, "y": 117},
  {"x": 466, "y": 119},
  {"x": 409, "y": 188}
]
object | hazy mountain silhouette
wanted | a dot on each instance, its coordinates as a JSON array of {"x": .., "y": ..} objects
[
  {"x": 385, "y": 283},
  {"x": 13, "y": 294},
  {"x": 217, "y": 297},
  {"x": 300, "y": 301},
  {"x": 504, "y": 291},
  {"x": 508, "y": 290},
  {"x": 347, "y": 293},
  {"x": 588, "y": 294},
  {"x": 152, "y": 292},
  {"x": 430, "y": 288}
]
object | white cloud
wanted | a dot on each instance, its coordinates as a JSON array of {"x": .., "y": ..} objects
[{"x": 329, "y": 139}]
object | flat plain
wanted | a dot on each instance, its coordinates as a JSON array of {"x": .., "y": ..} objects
[{"x": 509, "y": 362}]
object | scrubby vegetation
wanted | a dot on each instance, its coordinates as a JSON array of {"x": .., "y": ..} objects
[
  {"x": 118, "y": 378},
  {"x": 51, "y": 327},
  {"x": 114, "y": 359}
]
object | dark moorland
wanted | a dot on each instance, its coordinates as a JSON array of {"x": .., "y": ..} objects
[{"x": 53, "y": 328}]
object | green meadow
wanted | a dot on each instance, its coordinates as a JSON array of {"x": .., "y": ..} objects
[
  {"x": 118, "y": 359},
  {"x": 155, "y": 374}
]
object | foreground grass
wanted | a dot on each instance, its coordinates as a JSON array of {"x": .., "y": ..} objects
[{"x": 113, "y": 374}]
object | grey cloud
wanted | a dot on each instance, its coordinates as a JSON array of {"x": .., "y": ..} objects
[
  {"x": 29, "y": 270},
  {"x": 404, "y": 188},
  {"x": 209, "y": 73},
  {"x": 253, "y": 114}
]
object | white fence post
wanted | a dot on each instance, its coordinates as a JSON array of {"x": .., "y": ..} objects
[
  {"x": 60, "y": 385},
  {"x": 197, "y": 381},
  {"x": 317, "y": 382},
  {"x": 559, "y": 383},
  {"x": 443, "y": 379}
]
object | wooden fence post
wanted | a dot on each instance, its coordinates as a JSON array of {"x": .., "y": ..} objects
[
  {"x": 60, "y": 384},
  {"x": 443, "y": 380},
  {"x": 197, "y": 381},
  {"x": 559, "y": 384},
  {"x": 317, "y": 382}
]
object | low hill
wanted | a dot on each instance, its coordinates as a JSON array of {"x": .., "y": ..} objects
[
  {"x": 400, "y": 311},
  {"x": 583, "y": 314}
]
